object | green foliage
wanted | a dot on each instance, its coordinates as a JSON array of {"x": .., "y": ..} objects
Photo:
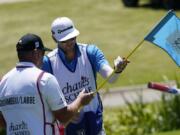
[
  {"x": 143, "y": 119},
  {"x": 169, "y": 110}
]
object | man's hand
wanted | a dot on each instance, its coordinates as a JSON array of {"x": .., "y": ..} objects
[
  {"x": 66, "y": 114},
  {"x": 85, "y": 97},
  {"x": 120, "y": 64}
]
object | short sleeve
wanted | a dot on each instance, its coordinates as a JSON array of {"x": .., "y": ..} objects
[
  {"x": 46, "y": 66},
  {"x": 96, "y": 57},
  {"x": 52, "y": 92}
]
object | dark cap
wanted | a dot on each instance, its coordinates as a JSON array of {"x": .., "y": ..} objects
[{"x": 30, "y": 42}]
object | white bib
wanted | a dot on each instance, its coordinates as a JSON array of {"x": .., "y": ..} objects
[
  {"x": 74, "y": 82},
  {"x": 21, "y": 104}
]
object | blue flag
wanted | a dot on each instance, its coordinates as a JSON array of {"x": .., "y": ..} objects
[{"x": 166, "y": 35}]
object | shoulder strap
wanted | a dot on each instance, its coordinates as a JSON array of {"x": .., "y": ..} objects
[
  {"x": 43, "y": 107},
  {"x": 40, "y": 95}
]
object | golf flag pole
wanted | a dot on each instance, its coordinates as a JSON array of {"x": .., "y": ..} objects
[
  {"x": 106, "y": 80},
  {"x": 137, "y": 46}
]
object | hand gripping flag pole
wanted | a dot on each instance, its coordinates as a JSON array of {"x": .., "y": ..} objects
[
  {"x": 166, "y": 35},
  {"x": 105, "y": 81}
]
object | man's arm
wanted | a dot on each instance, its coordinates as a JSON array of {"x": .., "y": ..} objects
[
  {"x": 119, "y": 65},
  {"x": 65, "y": 114},
  {"x": 51, "y": 91},
  {"x": 101, "y": 65}
]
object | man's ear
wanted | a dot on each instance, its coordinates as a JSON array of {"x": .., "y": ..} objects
[{"x": 35, "y": 53}]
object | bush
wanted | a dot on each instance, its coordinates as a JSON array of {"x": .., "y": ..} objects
[{"x": 142, "y": 119}]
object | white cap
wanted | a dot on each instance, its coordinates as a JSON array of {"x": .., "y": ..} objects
[{"x": 62, "y": 29}]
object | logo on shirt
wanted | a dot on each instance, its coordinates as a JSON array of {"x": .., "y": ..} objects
[
  {"x": 17, "y": 100},
  {"x": 20, "y": 128},
  {"x": 71, "y": 91}
]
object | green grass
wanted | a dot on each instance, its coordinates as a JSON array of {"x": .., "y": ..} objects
[
  {"x": 169, "y": 133},
  {"x": 112, "y": 27}
]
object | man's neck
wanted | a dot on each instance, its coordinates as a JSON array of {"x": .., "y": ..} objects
[{"x": 70, "y": 56}]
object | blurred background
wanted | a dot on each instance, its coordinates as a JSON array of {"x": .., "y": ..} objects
[
  {"x": 167, "y": 4},
  {"x": 116, "y": 27}
]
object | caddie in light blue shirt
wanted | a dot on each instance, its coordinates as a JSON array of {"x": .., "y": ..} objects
[{"x": 75, "y": 66}]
